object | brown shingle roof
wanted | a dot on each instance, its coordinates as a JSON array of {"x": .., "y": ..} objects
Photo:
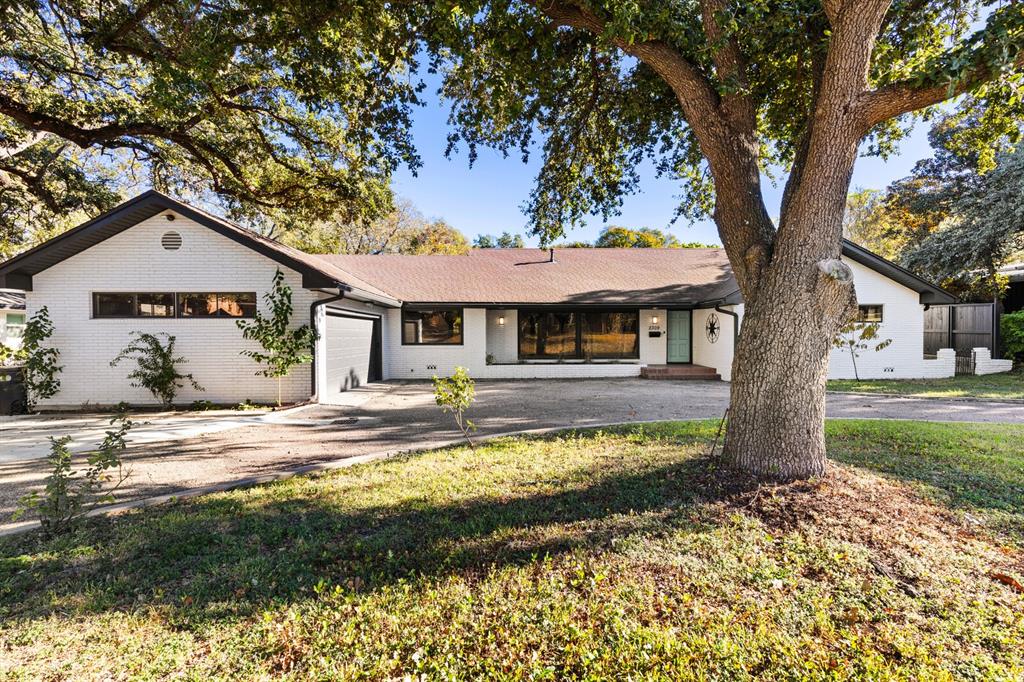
[{"x": 524, "y": 276}]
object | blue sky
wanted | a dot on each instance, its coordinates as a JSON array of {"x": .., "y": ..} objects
[{"x": 487, "y": 199}]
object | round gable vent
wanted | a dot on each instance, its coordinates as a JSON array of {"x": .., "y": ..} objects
[{"x": 171, "y": 241}]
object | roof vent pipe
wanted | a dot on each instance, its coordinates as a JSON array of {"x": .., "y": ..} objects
[{"x": 551, "y": 255}]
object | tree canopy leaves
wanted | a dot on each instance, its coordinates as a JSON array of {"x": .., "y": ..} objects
[
  {"x": 269, "y": 105},
  {"x": 986, "y": 232}
]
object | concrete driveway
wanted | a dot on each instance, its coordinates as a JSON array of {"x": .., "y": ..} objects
[{"x": 177, "y": 452}]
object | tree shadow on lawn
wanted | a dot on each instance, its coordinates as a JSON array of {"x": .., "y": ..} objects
[
  {"x": 231, "y": 556},
  {"x": 976, "y": 468},
  {"x": 228, "y": 557}
]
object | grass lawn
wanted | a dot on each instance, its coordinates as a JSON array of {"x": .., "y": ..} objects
[
  {"x": 622, "y": 554},
  {"x": 1008, "y": 385}
]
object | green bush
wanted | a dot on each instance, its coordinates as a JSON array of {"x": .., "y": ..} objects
[
  {"x": 284, "y": 347},
  {"x": 70, "y": 495},
  {"x": 454, "y": 395},
  {"x": 156, "y": 366},
  {"x": 1011, "y": 329},
  {"x": 40, "y": 361}
]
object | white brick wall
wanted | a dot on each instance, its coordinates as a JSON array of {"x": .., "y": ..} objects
[
  {"x": 902, "y": 321},
  {"x": 653, "y": 351},
  {"x": 134, "y": 261},
  {"x": 984, "y": 364},
  {"x": 503, "y": 339},
  {"x": 719, "y": 354}
]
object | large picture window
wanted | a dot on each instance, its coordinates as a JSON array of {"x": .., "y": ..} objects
[
  {"x": 437, "y": 326},
  {"x": 569, "y": 334},
  {"x": 161, "y": 304},
  {"x": 613, "y": 335}
]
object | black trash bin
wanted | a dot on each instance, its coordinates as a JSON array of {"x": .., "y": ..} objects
[{"x": 12, "y": 391}]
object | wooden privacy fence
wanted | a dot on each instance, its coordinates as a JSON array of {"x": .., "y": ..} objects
[{"x": 962, "y": 327}]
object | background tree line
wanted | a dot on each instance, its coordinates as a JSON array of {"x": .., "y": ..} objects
[{"x": 956, "y": 219}]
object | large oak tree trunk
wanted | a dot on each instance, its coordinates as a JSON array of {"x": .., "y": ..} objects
[
  {"x": 798, "y": 298},
  {"x": 777, "y": 408}
]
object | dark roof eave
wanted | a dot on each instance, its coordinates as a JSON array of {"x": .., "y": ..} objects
[
  {"x": 18, "y": 271},
  {"x": 930, "y": 294}
]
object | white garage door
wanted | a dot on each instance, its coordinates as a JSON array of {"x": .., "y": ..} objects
[{"x": 349, "y": 360}]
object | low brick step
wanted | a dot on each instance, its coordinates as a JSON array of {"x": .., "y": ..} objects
[{"x": 680, "y": 372}]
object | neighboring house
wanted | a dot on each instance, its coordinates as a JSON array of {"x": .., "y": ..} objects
[
  {"x": 12, "y": 317},
  {"x": 156, "y": 264},
  {"x": 1014, "y": 299}
]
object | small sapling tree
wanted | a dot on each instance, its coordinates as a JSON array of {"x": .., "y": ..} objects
[
  {"x": 156, "y": 366},
  {"x": 68, "y": 494},
  {"x": 454, "y": 395},
  {"x": 40, "y": 368},
  {"x": 283, "y": 348},
  {"x": 856, "y": 337}
]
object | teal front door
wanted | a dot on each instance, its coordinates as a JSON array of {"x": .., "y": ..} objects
[{"x": 679, "y": 336}]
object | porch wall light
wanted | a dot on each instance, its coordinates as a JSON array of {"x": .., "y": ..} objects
[
  {"x": 501, "y": 320},
  {"x": 654, "y": 319}
]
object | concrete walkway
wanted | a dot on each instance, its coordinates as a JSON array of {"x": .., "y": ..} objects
[{"x": 174, "y": 452}]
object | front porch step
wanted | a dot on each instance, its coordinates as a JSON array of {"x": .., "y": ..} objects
[{"x": 680, "y": 373}]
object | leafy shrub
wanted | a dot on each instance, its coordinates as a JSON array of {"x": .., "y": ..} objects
[
  {"x": 201, "y": 406},
  {"x": 156, "y": 366},
  {"x": 855, "y": 337},
  {"x": 69, "y": 496},
  {"x": 1011, "y": 330},
  {"x": 40, "y": 369},
  {"x": 283, "y": 348},
  {"x": 454, "y": 395}
]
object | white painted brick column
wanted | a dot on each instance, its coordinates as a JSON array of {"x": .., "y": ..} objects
[{"x": 985, "y": 364}]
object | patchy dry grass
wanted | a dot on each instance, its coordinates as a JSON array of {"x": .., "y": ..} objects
[
  {"x": 609, "y": 555},
  {"x": 990, "y": 386}
]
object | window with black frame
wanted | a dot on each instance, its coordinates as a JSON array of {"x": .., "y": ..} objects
[
  {"x": 574, "y": 335},
  {"x": 547, "y": 334},
  {"x": 611, "y": 335},
  {"x": 869, "y": 313},
  {"x": 435, "y": 326},
  {"x": 238, "y": 304},
  {"x": 124, "y": 304}
]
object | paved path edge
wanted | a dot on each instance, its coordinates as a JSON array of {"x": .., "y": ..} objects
[
  {"x": 341, "y": 463},
  {"x": 951, "y": 399}
]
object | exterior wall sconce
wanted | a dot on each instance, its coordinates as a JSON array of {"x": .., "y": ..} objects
[
  {"x": 654, "y": 319},
  {"x": 501, "y": 320}
]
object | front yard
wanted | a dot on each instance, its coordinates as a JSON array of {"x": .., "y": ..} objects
[
  {"x": 601, "y": 555},
  {"x": 1005, "y": 386}
]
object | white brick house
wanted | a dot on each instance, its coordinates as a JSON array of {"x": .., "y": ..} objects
[{"x": 156, "y": 264}]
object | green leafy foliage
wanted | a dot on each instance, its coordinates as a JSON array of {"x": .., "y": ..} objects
[
  {"x": 437, "y": 238},
  {"x": 269, "y": 106},
  {"x": 454, "y": 395},
  {"x": 617, "y": 237},
  {"x": 156, "y": 366},
  {"x": 1011, "y": 330},
  {"x": 50, "y": 186},
  {"x": 856, "y": 337},
  {"x": 39, "y": 361},
  {"x": 506, "y": 240},
  {"x": 985, "y": 231},
  {"x": 403, "y": 230},
  {"x": 283, "y": 347},
  {"x": 69, "y": 494}
]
